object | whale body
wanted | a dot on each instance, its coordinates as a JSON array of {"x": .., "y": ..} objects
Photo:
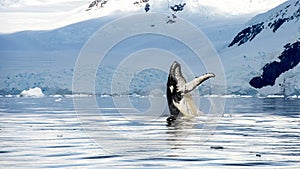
[{"x": 180, "y": 100}]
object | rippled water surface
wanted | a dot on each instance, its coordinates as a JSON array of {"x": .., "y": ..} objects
[{"x": 48, "y": 133}]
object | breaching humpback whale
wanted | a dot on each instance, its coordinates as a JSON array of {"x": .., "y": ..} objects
[{"x": 180, "y": 101}]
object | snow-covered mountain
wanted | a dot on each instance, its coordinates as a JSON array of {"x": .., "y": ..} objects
[
  {"x": 267, "y": 53},
  {"x": 41, "y": 39},
  {"x": 20, "y": 15}
]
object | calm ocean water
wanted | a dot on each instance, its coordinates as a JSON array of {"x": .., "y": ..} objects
[{"x": 48, "y": 133}]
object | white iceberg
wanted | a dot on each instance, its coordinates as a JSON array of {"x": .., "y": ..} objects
[{"x": 32, "y": 92}]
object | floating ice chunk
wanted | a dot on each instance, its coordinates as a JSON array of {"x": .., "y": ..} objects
[
  {"x": 9, "y": 96},
  {"x": 32, "y": 92},
  {"x": 275, "y": 96},
  {"x": 56, "y": 96},
  {"x": 58, "y": 99}
]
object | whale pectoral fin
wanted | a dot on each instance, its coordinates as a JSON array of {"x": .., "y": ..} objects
[
  {"x": 197, "y": 81},
  {"x": 194, "y": 111}
]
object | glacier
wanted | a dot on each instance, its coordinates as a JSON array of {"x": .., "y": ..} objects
[{"x": 45, "y": 56}]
